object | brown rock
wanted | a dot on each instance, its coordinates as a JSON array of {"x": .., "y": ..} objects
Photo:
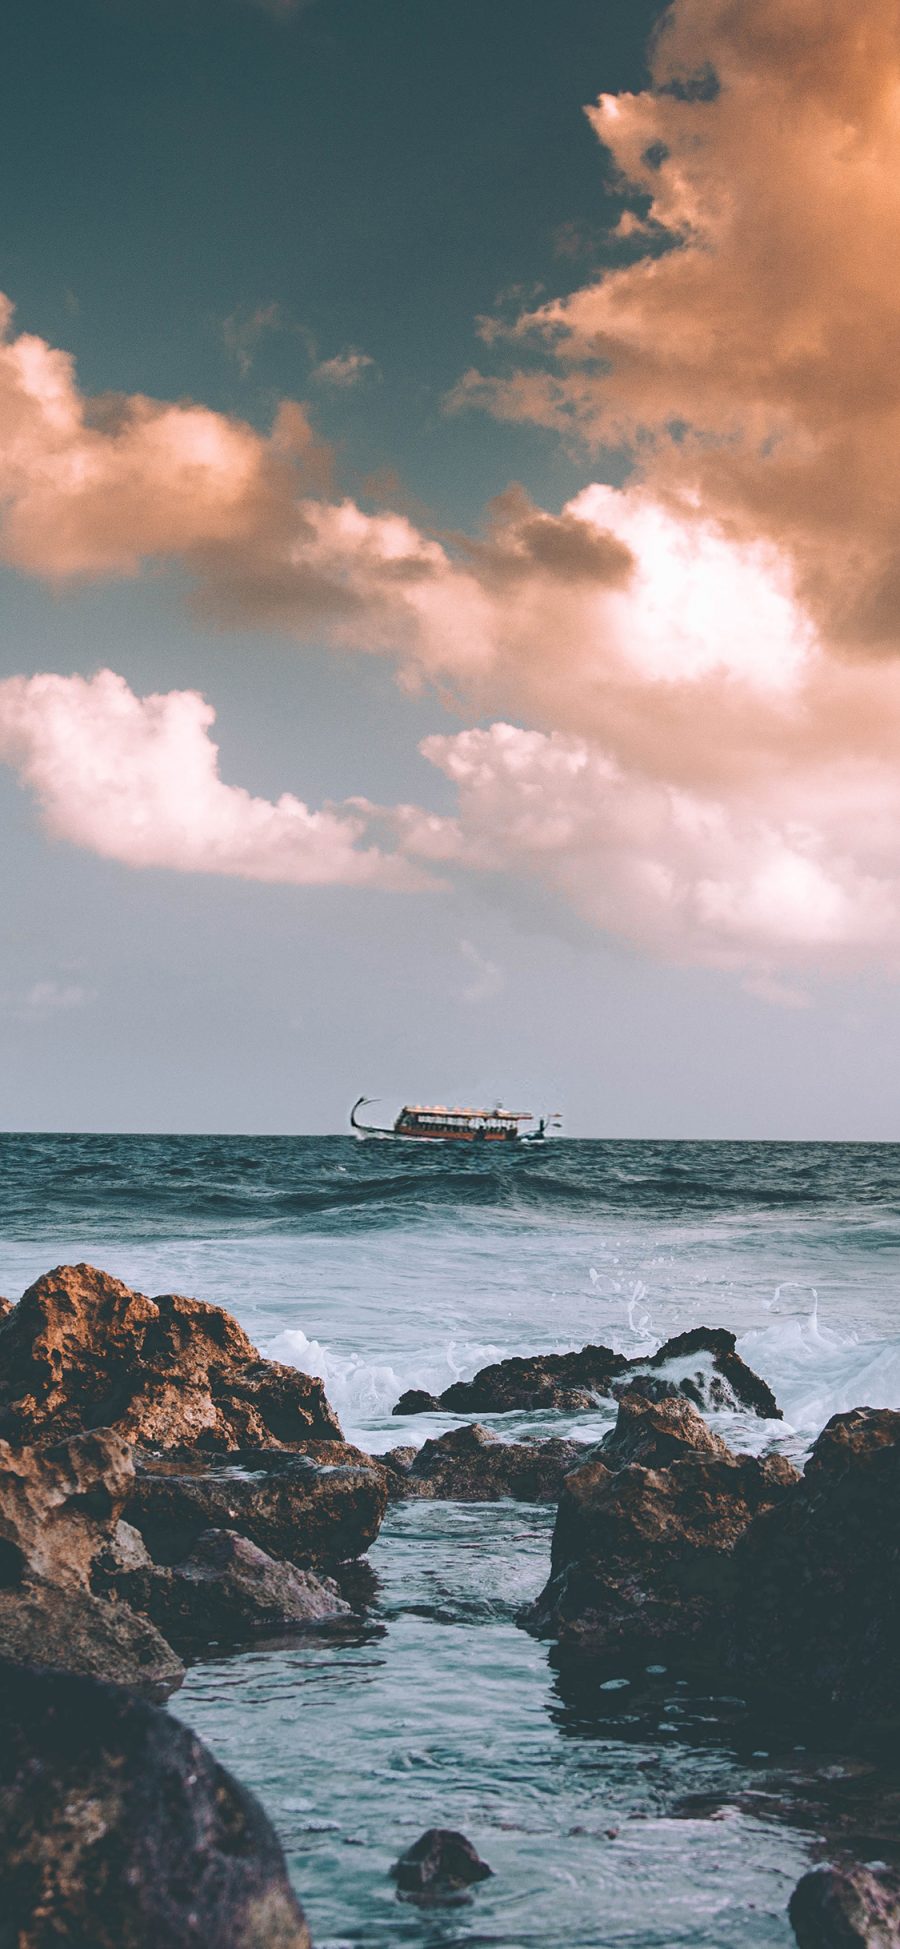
[
  {"x": 470, "y": 1465},
  {"x": 641, "y": 1562},
  {"x": 118, "y": 1830},
  {"x": 290, "y": 1506},
  {"x": 227, "y": 1590},
  {"x": 655, "y": 1432},
  {"x": 59, "y": 1507},
  {"x": 74, "y": 1631},
  {"x": 847, "y": 1908},
  {"x": 82, "y": 1351}
]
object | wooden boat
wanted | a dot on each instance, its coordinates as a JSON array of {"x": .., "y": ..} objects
[{"x": 435, "y": 1123}]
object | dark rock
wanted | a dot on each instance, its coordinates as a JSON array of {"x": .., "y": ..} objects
[
  {"x": 290, "y": 1506},
  {"x": 847, "y": 1908},
  {"x": 118, "y": 1830},
  {"x": 641, "y": 1564},
  {"x": 550, "y": 1380},
  {"x": 726, "y": 1382},
  {"x": 416, "y": 1401},
  {"x": 654, "y": 1431},
  {"x": 650, "y": 1387},
  {"x": 818, "y": 1590},
  {"x": 708, "y": 1372},
  {"x": 74, "y": 1631},
  {"x": 439, "y": 1866},
  {"x": 227, "y": 1589},
  {"x": 82, "y": 1351},
  {"x": 470, "y": 1465}
]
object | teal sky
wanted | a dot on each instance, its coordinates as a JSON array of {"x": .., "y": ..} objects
[{"x": 213, "y": 200}]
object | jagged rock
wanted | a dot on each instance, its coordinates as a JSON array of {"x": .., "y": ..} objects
[
  {"x": 416, "y": 1401},
  {"x": 549, "y": 1380},
  {"x": 59, "y": 1507},
  {"x": 74, "y": 1631},
  {"x": 641, "y": 1564},
  {"x": 470, "y": 1465},
  {"x": 118, "y": 1829},
  {"x": 708, "y": 1372},
  {"x": 847, "y": 1908},
  {"x": 5, "y": 1307},
  {"x": 59, "y": 1510},
  {"x": 439, "y": 1865},
  {"x": 721, "y": 1379},
  {"x": 227, "y": 1589},
  {"x": 818, "y": 1593},
  {"x": 290, "y": 1506},
  {"x": 82, "y": 1351},
  {"x": 654, "y": 1431}
]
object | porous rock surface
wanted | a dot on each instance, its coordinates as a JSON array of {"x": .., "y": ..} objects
[
  {"x": 470, "y": 1465},
  {"x": 81, "y": 1351},
  {"x": 848, "y": 1907},
  {"x": 59, "y": 1511},
  {"x": 703, "y": 1364},
  {"x": 642, "y": 1555},
  {"x": 119, "y": 1830}
]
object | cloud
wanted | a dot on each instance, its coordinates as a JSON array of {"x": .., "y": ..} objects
[
  {"x": 136, "y": 780},
  {"x": 243, "y": 329},
  {"x": 346, "y": 369},
  {"x": 748, "y": 356}
]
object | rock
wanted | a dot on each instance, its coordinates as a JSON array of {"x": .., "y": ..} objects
[
  {"x": 82, "y": 1351},
  {"x": 59, "y": 1511},
  {"x": 470, "y": 1465},
  {"x": 818, "y": 1591},
  {"x": 847, "y": 1908},
  {"x": 59, "y": 1507},
  {"x": 290, "y": 1506},
  {"x": 720, "y": 1378},
  {"x": 227, "y": 1589},
  {"x": 438, "y": 1866},
  {"x": 641, "y": 1563},
  {"x": 550, "y": 1380},
  {"x": 416, "y": 1401},
  {"x": 654, "y": 1431},
  {"x": 707, "y": 1371},
  {"x": 74, "y": 1631},
  {"x": 5, "y": 1307},
  {"x": 119, "y": 1830}
]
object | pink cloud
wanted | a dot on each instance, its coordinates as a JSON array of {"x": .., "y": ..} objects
[{"x": 136, "y": 779}]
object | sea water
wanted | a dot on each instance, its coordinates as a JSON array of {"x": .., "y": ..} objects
[{"x": 613, "y": 1809}]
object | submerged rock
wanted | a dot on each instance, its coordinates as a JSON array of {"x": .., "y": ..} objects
[
  {"x": 704, "y": 1365},
  {"x": 818, "y": 1590},
  {"x": 290, "y": 1506},
  {"x": 118, "y": 1829},
  {"x": 439, "y": 1865},
  {"x": 847, "y": 1908},
  {"x": 228, "y": 1589},
  {"x": 642, "y": 1555},
  {"x": 81, "y": 1351},
  {"x": 470, "y": 1465}
]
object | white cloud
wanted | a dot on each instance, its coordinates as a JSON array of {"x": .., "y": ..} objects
[
  {"x": 345, "y": 369},
  {"x": 136, "y": 780}
]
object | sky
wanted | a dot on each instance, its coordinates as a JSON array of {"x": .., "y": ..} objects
[{"x": 450, "y": 563}]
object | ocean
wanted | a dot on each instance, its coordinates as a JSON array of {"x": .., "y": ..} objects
[{"x": 628, "y": 1812}]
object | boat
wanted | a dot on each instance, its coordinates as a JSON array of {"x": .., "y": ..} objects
[{"x": 438, "y": 1123}]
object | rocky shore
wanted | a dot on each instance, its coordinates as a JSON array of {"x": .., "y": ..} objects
[{"x": 163, "y": 1486}]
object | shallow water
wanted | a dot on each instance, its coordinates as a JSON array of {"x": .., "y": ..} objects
[{"x": 383, "y": 1268}]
